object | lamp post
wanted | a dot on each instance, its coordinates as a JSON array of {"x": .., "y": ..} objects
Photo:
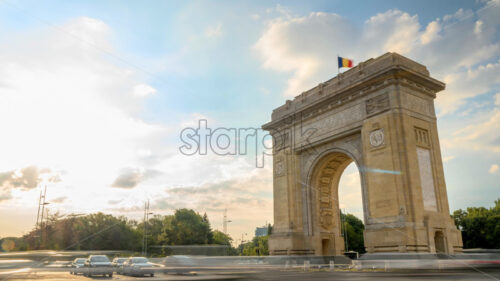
[{"x": 242, "y": 240}]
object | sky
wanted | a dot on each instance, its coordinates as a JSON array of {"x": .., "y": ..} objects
[{"x": 95, "y": 96}]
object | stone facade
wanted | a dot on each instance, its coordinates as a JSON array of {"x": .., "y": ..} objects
[{"x": 379, "y": 114}]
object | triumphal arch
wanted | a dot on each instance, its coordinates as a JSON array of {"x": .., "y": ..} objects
[{"x": 379, "y": 114}]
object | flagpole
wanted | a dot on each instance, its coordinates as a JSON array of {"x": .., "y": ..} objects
[{"x": 338, "y": 66}]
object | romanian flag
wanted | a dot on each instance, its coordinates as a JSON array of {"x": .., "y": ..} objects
[{"x": 343, "y": 62}]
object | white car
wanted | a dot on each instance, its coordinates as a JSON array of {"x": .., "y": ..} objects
[
  {"x": 77, "y": 266},
  {"x": 118, "y": 264},
  {"x": 98, "y": 265},
  {"x": 138, "y": 266}
]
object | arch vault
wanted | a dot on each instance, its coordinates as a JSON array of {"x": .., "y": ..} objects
[{"x": 379, "y": 114}]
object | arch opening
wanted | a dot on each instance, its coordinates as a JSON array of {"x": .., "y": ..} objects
[
  {"x": 351, "y": 208},
  {"x": 328, "y": 220}
]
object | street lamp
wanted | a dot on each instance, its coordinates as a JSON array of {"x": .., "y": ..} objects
[{"x": 241, "y": 245}]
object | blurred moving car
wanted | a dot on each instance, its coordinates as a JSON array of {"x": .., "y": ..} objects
[
  {"x": 57, "y": 264},
  {"x": 117, "y": 264},
  {"x": 138, "y": 266},
  {"x": 180, "y": 264},
  {"x": 77, "y": 266},
  {"x": 98, "y": 265}
]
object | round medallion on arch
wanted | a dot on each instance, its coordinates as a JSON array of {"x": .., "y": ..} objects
[{"x": 377, "y": 137}]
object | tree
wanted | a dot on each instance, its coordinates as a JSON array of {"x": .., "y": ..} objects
[
  {"x": 155, "y": 229},
  {"x": 220, "y": 238},
  {"x": 257, "y": 247},
  {"x": 188, "y": 228},
  {"x": 91, "y": 232},
  {"x": 480, "y": 226},
  {"x": 354, "y": 231},
  {"x": 106, "y": 232}
]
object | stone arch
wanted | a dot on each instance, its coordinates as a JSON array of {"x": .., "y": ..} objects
[{"x": 381, "y": 115}]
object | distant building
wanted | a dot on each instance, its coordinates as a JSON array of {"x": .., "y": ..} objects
[{"x": 261, "y": 231}]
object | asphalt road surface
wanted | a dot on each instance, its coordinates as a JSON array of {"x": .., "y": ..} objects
[{"x": 277, "y": 275}]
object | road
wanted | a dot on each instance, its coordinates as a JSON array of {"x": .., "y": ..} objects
[
  {"x": 276, "y": 275},
  {"x": 48, "y": 266},
  {"x": 374, "y": 276}
]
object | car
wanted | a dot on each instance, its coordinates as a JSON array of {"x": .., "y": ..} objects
[
  {"x": 98, "y": 265},
  {"x": 138, "y": 266},
  {"x": 77, "y": 266},
  {"x": 57, "y": 264},
  {"x": 117, "y": 264},
  {"x": 180, "y": 264}
]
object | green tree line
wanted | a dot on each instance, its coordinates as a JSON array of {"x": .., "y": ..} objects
[
  {"x": 480, "y": 226},
  {"x": 106, "y": 232}
]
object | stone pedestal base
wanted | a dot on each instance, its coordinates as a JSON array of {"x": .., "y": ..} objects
[{"x": 288, "y": 244}]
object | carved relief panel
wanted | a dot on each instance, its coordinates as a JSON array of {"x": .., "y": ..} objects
[{"x": 377, "y": 104}]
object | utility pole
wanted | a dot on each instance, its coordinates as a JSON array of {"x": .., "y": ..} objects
[
  {"x": 46, "y": 233},
  {"x": 43, "y": 205},
  {"x": 37, "y": 229},
  {"x": 38, "y": 213},
  {"x": 42, "y": 202},
  {"x": 144, "y": 228},
  {"x": 144, "y": 236},
  {"x": 241, "y": 245},
  {"x": 224, "y": 222}
]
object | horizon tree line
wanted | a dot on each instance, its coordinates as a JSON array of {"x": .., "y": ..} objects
[{"x": 480, "y": 228}]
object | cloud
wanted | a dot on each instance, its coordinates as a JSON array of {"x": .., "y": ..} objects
[
  {"x": 299, "y": 45},
  {"x": 457, "y": 48},
  {"x": 66, "y": 104},
  {"x": 307, "y": 46},
  {"x": 213, "y": 31},
  {"x": 391, "y": 31},
  {"x": 248, "y": 188},
  {"x": 143, "y": 90},
  {"x": 114, "y": 202},
  {"x": 493, "y": 169},
  {"x": 26, "y": 178},
  {"x": 431, "y": 32},
  {"x": 463, "y": 85},
  {"x": 58, "y": 200},
  {"x": 480, "y": 135},
  {"x": 130, "y": 178},
  {"x": 237, "y": 192}
]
